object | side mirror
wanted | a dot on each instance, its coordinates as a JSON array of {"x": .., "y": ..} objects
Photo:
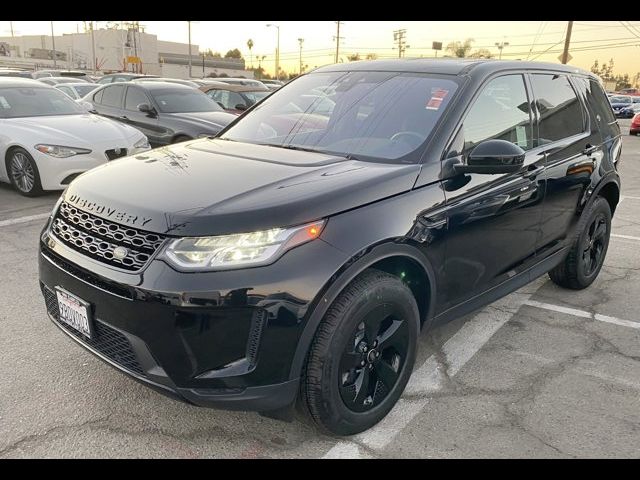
[
  {"x": 87, "y": 106},
  {"x": 241, "y": 106},
  {"x": 146, "y": 108},
  {"x": 493, "y": 156}
]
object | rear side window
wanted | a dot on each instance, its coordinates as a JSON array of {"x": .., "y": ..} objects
[
  {"x": 97, "y": 98},
  {"x": 561, "y": 113},
  {"x": 599, "y": 102},
  {"x": 112, "y": 96}
]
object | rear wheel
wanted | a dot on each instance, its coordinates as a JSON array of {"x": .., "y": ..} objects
[
  {"x": 586, "y": 257},
  {"x": 23, "y": 173},
  {"x": 362, "y": 355}
]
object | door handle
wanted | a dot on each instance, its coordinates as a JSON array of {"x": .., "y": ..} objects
[
  {"x": 533, "y": 171},
  {"x": 124, "y": 117}
]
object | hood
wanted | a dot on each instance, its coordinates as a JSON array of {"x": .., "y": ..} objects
[
  {"x": 85, "y": 130},
  {"x": 206, "y": 120},
  {"x": 213, "y": 187}
]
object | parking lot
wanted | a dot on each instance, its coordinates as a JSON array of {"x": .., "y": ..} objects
[{"x": 544, "y": 372}]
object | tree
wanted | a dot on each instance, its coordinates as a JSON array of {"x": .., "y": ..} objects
[
  {"x": 460, "y": 49},
  {"x": 353, "y": 57},
  {"x": 250, "y": 46},
  {"x": 212, "y": 54},
  {"x": 235, "y": 53},
  {"x": 372, "y": 56},
  {"x": 481, "y": 53}
]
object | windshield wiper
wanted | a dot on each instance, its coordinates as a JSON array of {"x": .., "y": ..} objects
[{"x": 348, "y": 156}]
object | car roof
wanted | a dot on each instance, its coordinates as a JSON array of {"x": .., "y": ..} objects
[
  {"x": 129, "y": 74},
  {"x": 7, "y": 82},
  {"x": 448, "y": 66},
  {"x": 232, "y": 87},
  {"x": 77, "y": 84},
  {"x": 157, "y": 85}
]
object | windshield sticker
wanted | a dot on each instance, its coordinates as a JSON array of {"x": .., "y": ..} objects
[
  {"x": 437, "y": 96},
  {"x": 4, "y": 104}
]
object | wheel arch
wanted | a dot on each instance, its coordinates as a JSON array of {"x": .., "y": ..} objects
[
  {"x": 390, "y": 257},
  {"x": 611, "y": 193}
]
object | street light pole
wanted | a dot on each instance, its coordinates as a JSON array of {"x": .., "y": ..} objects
[
  {"x": 300, "y": 41},
  {"x": 277, "y": 50},
  {"x": 53, "y": 41},
  {"x": 500, "y": 46},
  {"x": 189, "y": 49}
]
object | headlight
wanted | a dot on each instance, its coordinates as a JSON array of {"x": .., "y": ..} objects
[
  {"x": 226, "y": 252},
  {"x": 142, "y": 143},
  {"x": 59, "y": 151}
]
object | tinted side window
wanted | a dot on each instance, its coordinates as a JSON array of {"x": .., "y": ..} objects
[
  {"x": 599, "y": 102},
  {"x": 501, "y": 111},
  {"x": 112, "y": 96},
  {"x": 135, "y": 97},
  {"x": 561, "y": 114}
]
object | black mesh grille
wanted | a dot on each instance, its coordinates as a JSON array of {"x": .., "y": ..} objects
[
  {"x": 115, "y": 153},
  {"x": 106, "y": 340},
  {"x": 99, "y": 238},
  {"x": 257, "y": 325}
]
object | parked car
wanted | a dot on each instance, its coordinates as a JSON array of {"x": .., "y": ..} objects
[
  {"x": 58, "y": 80},
  {"x": 122, "y": 77},
  {"x": 13, "y": 72},
  {"x": 623, "y": 106},
  {"x": 165, "y": 112},
  {"x": 243, "y": 81},
  {"x": 272, "y": 84},
  {"x": 257, "y": 271},
  {"x": 47, "y": 139},
  {"x": 188, "y": 83},
  {"x": 629, "y": 91},
  {"x": 635, "y": 125},
  {"x": 79, "y": 75},
  {"x": 235, "y": 98},
  {"x": 76, "y": 90}
]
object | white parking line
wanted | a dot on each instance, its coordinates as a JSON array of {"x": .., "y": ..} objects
[
  {"x": 583, "y": 314},
  {"x": 624, "y": 197},
  {"x": 627, "y": 237},
  {"x": 15, "y": 221},
  {"x": 429, "y": 378}
]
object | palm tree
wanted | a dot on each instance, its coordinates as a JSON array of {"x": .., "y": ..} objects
[{"x": 250, "y": 45}]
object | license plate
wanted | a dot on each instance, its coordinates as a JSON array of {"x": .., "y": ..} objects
[{"x": 74, "y": 312}]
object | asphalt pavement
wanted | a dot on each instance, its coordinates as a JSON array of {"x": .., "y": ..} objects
[{"x": 543, "y": 372}]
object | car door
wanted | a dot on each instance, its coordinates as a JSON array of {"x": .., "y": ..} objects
[
  {"x": 108, "y": 102},
  {"x": 493, "y": 220},
  {"x": 146, "y": 122},
  {"x": 572, "y": 145}
]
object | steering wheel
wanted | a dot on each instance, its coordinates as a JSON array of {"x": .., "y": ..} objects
[{"x": 408, "y": 133}]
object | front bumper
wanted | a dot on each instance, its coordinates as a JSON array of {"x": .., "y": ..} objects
[{"x": 218, "y": 339}]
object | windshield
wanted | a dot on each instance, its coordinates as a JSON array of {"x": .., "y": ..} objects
[
  {"x": 184, "y": 101},
  {"x": 379, "y": 115},
  {"x": 84, "y": 89},
  {"x": 36, "y": 102},
  {"x": 620, "y": 99}
]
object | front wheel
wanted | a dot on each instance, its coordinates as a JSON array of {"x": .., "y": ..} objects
[
  {"x": 362, "y": 355},
  {"x": 586, "y": 257},
  {"x": 23, "y": 173}
]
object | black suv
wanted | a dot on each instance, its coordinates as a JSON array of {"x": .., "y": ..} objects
[{"x": 296, "y": 258}]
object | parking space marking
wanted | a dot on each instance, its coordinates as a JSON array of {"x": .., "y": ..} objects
[
  {"x": 627, "y": 237},
  {"x": 624, "y": 197},
  {"x": 581, "y": 313},
  {"x": 30, "y": 218},
  {"x": 429, "y": 378}
]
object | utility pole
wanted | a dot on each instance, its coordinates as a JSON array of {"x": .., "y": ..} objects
[
  {"x": 399, "y": 38},
  {"x": 93, "y": 48},
  {"x": 277, "y": 50},
  {"x": 202, "y": 64},
  {"x": 500, "y": 46},
  {"x": 300, "y": 41},
  {"x": 53, "y": 41},
  {"x": 260, "y": 58},
  {"x": 565, "y": 53},
  {"x": 189, "y": 49},
  {"x": 337, "y": 38},
  {"x": 11, "y": 25}
]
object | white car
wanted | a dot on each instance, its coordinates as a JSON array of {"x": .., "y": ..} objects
[
  {"x": 47, "y": 139},
  {"x": 77, "y": 90}
]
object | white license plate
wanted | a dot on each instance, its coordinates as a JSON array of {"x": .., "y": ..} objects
[{"x": 74, "y": 312}]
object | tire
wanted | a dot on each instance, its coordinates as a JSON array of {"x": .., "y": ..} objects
[
  {"x": 181, "y": 138},
  {"x": 23, "y": 173},
  {"x": 341, "y": 395},
  {"x": 586, "y": 257}
]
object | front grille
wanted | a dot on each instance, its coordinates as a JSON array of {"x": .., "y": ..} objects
[
  {"x": 106, "y": 340},
  {"x": 99, "y": 239},
  {"x": 115, "y": 153}
]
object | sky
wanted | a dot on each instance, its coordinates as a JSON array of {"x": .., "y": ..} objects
[{"x": 537, "y": 40}]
